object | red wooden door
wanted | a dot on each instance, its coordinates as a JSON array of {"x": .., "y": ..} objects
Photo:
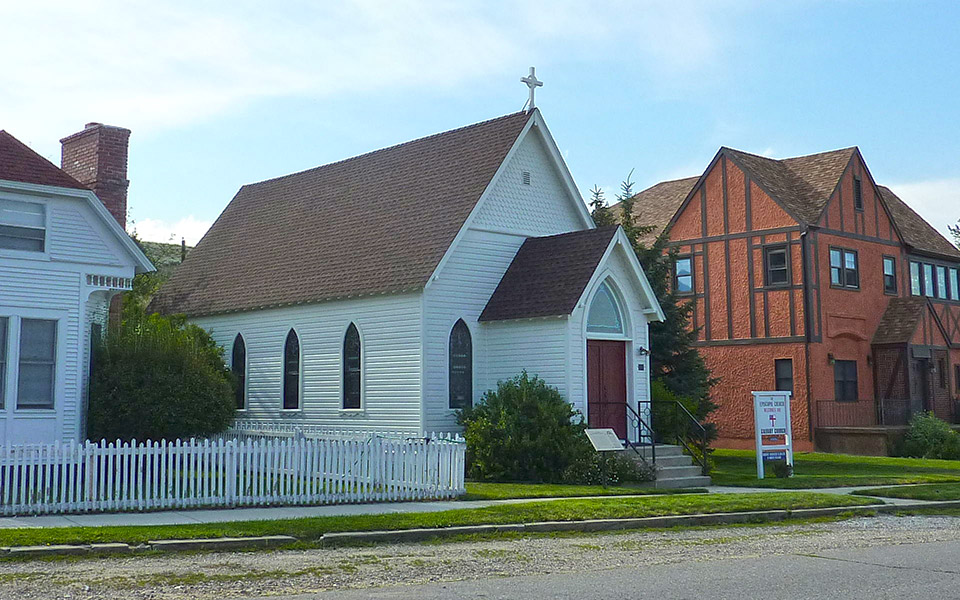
[{"x": 607, "y": 385}]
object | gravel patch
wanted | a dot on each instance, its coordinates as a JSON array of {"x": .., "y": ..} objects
[{"x": 205, "y": 576}]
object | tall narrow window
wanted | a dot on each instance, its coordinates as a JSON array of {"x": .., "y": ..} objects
[
  {"x": 844, "y": 268},
  {"x": 38, "y": 352},
  {"x": 3, "y": 358},
  {"x": 954, "y": 284},
  {"x": 238, "y": 363},
  {"x": 461, "y": 366},
  {"x": 604, "y": 315},
  {"x": 929, "y": 285},
  {"x": 857, "y": 193},
  {"x": 942, "y": 372},
  {"x": 775, "y": 260},
  {"x": 941, "y": 282},
  {"x": 889, "y": 275},
  {"x": 351, "y": 368},
  {"x": 783, "y": 368},
  {"x": 683, "y": 275},
  {"x": 845, "y": 380},
  {"x": 291, "y": 372},
  {"x": 22, "y": 225},
  {"x": 915, "y": 288}
]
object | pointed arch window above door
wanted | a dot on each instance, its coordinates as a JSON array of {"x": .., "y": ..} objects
[
  {"x": 351, "y": 368},
  {"x": 461, "y": 366},
  {"x": 291, "y": 372},
  {"x": 604, "y": 315}
]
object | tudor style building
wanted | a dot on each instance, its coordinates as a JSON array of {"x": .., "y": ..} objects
[
  {"x": 808, "y": 276},
  {"x": 384, "y": 292}
]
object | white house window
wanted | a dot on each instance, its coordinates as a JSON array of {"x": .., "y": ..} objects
[
  {"x": 351, "y": 368},
  {"x": 38, "y": 350},
  {"x": 22, "y": 225},
  {"x": 604, "y": 315},
  {"x": 3, "y": 358},
  {"x": 291, "y": 372},
  {"x": 238, "y": 365},
  {"x": 461, "y": 366}
]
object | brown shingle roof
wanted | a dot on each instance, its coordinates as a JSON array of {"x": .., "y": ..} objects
[
  {"x": 899, "y": 321},
  {"x": 19, "y": 163},
  {"x": 656, "y": 205},
  {"x": 548, "y": 275},
  {"x": 374, "y": 224},
  {"x": 914, "y": 229}
]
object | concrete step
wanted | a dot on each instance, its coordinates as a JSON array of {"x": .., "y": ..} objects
[
  {"x": 675, "y": 472},
  {"x": 663, "y": 450},
  {"x": 682, "y": 482},
  {"x": 681, "y": 460}
]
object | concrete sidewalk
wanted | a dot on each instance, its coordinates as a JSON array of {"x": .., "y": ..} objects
[{"x": 226, "y": 515}]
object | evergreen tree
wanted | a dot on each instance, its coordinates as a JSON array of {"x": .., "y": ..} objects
[
  {"x": 675, "y": 361},
  {"x": 955, "y": 230},
  {"x": 602, "y": 215}
]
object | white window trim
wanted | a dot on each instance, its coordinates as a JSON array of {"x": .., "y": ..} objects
[
  {"x": 13, "y": 362},
  {"x": 363, "y": 372},
  {"x": 473, "y": 366},
  {"x": 30, "y": 254},
  {"x": 283, "y": 367}
]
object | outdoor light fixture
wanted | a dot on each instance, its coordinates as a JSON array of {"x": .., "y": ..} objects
[
  {"x": 642, "y": 351},
  {"x": 830, "y": 359}
]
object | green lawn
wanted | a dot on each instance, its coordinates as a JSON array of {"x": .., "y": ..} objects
[
  {"x": 311, "y": 529},
  {"x": 503, "y": 491},
  {"x": 819, "y": 470},
  {"x": 941, "y": 491}
]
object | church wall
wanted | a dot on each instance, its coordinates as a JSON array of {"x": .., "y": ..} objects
[
  {"x": 390, "y": 330},
  {"x": 538, "y": 346}
]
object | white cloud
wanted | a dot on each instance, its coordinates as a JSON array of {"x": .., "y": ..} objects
[
  {"x": 937, "y": 201},
  {"x": 157, "y": 230},
  {"x": 153, "y": 66}
]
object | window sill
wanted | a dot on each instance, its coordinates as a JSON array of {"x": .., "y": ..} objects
[
  {"x": 46, "y": 412},
  {"x": 844, "y": 288},
  {"x": 353, "y": 412}
]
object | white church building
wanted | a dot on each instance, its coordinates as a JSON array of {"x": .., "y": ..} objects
[{"x": 386, "y": 291}]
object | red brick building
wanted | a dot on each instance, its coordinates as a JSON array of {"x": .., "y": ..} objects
[{"x": 807, "y": 275}]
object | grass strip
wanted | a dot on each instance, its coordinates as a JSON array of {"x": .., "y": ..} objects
[
  {"x": 937, "y": 491},
  {"x": 506, "y": 491},
  {"x": 821, "y": 470},
  {"x": 310, "y": 529}
]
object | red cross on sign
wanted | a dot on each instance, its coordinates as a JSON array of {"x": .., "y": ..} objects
[{"x": 773, "y": 421}]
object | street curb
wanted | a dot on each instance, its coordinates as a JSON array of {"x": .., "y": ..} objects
[{"x": 419, "y": 535}]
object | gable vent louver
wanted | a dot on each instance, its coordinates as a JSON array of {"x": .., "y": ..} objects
[{"x": 525, "y": 176}]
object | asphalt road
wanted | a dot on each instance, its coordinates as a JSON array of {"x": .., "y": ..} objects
[{"x": 930, "y": 571}]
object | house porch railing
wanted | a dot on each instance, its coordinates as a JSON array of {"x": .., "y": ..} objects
[{"x": 862, "y": 413}]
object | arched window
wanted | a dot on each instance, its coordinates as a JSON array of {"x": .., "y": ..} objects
[
  {"x": 291, "y": 372},
  {"x": 238, "y": 364},
  {"x": 461, "y": 366},
  {"x": 604, "y": 315},
  {"x": 351, "y": 368}
]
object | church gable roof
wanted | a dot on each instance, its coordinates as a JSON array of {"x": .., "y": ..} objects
[
  {"x": 19, "y": 163},
  {"x": 374, "y": 224},
  {"x": 548, "y": 275}
]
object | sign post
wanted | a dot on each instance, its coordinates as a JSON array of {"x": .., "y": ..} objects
[
  {"x": 772, "y": 424},
  {"x": 604, "y": 440}
]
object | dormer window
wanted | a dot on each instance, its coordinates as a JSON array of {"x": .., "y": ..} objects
[{"x": 22, "y": 226}]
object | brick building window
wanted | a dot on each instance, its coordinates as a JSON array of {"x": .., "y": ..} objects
[
  {"x": 942, "y": 372},
  {"x": 683, "y": 275},
  {"x": 941, "y": 282},
  {"x": 889, "y": 275},
  {"x": 954, "y": 284},
  {"x": 857, "y": 194},
  {"x": 845, "y": 380},
  {"x": 783, "y": 369},
  {"x": 844, "y": 268},
  {"x": 929, "y": 284},
  {"x": 915, "y": 278},
  {"x": 776, "y": 268}
]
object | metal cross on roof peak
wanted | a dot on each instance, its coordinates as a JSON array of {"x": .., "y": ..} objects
[{"x": 533, "y": 83}]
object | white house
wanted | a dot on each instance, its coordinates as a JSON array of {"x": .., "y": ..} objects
[
  {"x": 63, "y": 256},
  {"x": 383, "y": 292}
]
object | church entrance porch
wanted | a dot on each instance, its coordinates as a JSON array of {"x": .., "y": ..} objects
[{"x": 607, "y": 385}]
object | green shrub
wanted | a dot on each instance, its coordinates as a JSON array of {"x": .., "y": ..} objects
[
  {"x": 930, "y": 437},
  {"x": 607, "y": 468},
  {"x": 781, "y": 469},
  {"x": 156, "y": 378}
]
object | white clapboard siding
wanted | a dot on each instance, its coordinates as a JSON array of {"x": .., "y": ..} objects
[{"x": 120, "y": 476}]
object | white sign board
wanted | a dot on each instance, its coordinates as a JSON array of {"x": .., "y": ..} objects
[
  {"x": 771, "y": 417},
  {"x": 604, "y": 440}
]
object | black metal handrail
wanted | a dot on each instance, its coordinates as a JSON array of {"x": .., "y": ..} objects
[
  {"x": 643, "y": 429},
  {"x": 695, "y": 440}
]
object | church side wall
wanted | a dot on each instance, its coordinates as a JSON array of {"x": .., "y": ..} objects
[
  {"x": 538, "y": 346},
  {"x": 510, "y": 212},
  {"x": 390, "y": 331}
]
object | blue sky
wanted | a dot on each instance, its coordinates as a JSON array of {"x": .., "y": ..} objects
[{"x": 219, "y": 94}]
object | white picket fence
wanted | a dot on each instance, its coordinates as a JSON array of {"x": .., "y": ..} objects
[{"x": 104, "y": 477}]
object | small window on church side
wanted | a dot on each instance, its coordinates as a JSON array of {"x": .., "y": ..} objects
[
  {"x": 461, "y": 366},
  {"x": 351, "y": 368},
  {"x": 238, "y": 364},
  {"x": 291, "y": 372}
]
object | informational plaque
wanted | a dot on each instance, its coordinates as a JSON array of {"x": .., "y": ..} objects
[
  {"x": 604, "y": 440},
  {"x": 771, "y": 417}
]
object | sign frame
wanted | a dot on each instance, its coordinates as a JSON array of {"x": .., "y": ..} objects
[
  {"x": 604, "y": 439},
  {"x": 776, "y": 407}
]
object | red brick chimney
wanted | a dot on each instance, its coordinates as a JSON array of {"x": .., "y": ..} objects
[{"x": 97, "y": 158}]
